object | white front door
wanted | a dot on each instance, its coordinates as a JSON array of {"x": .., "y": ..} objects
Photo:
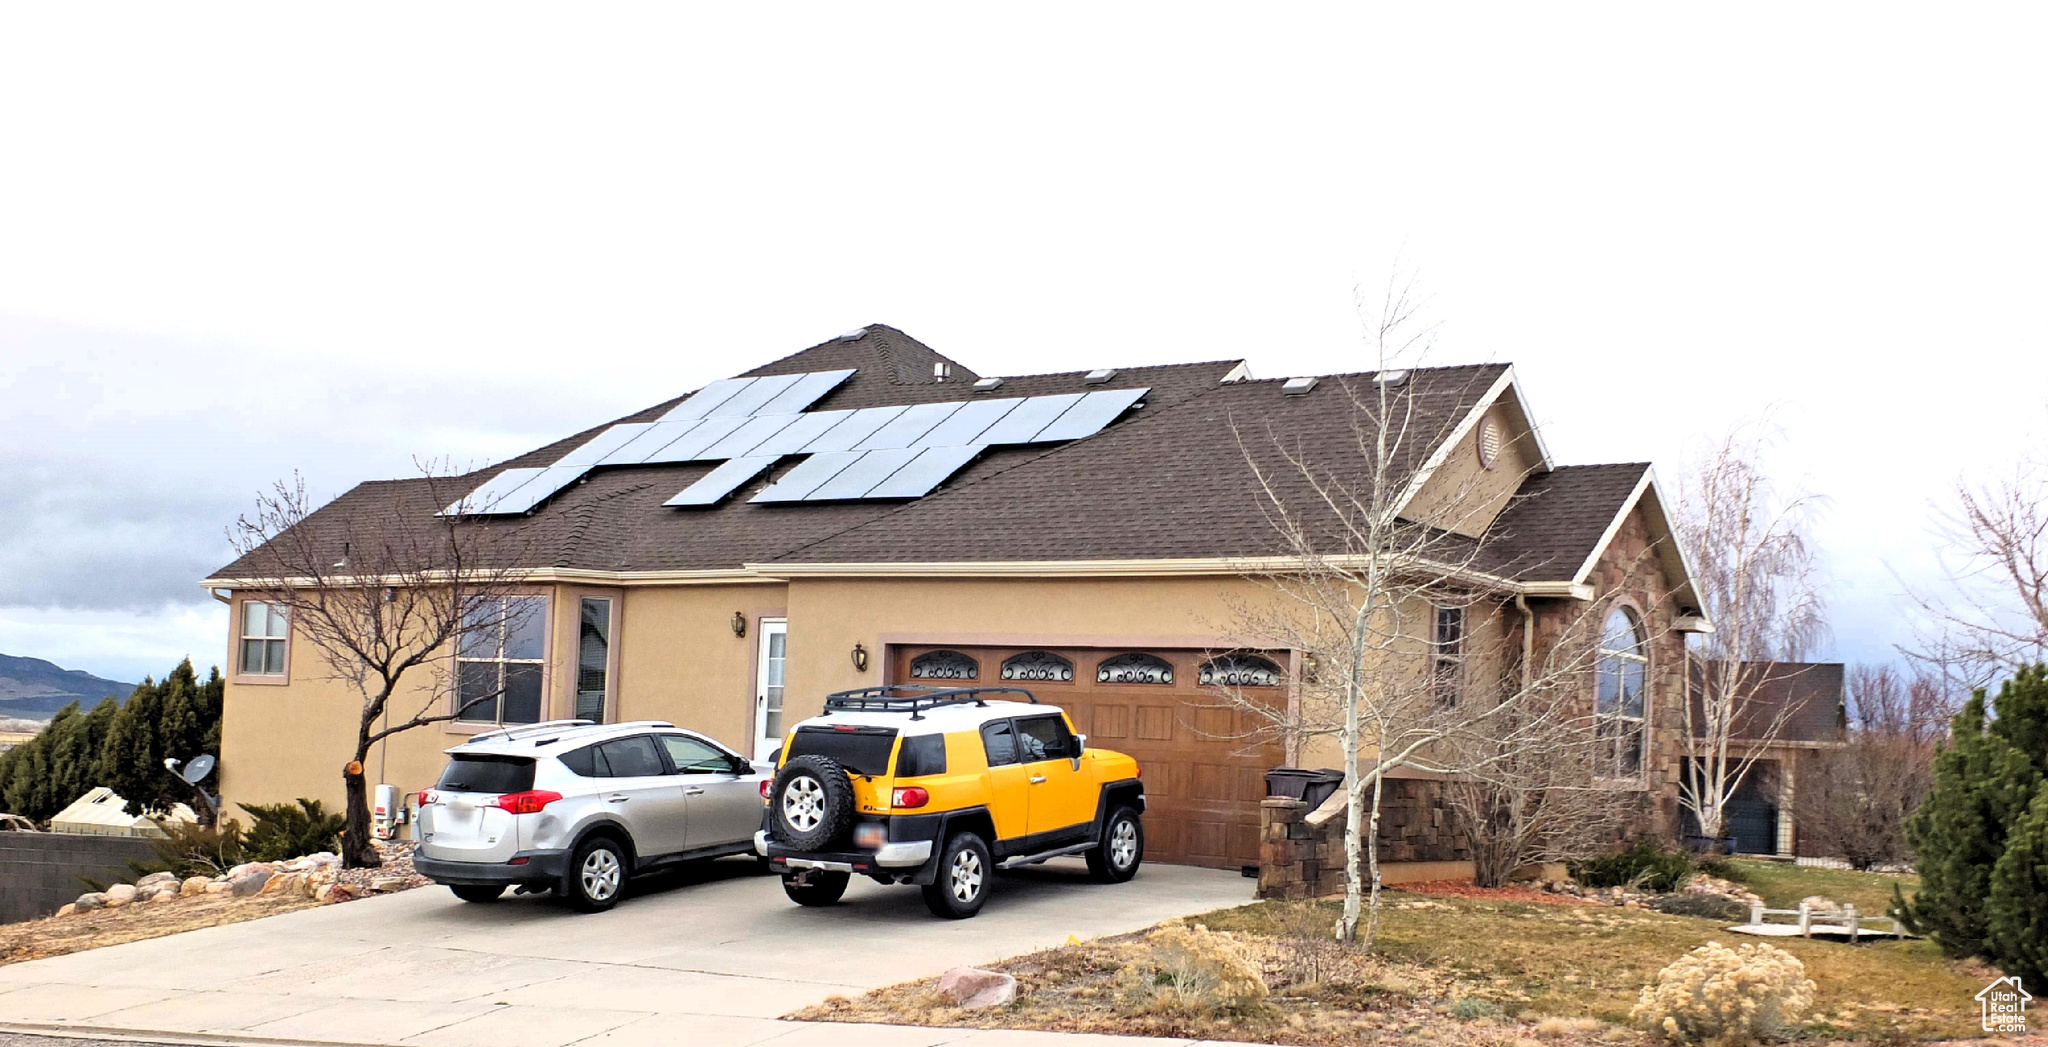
[{"x": 768, "y": 686}]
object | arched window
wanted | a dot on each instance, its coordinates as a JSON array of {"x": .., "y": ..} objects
[
  {"x": 1241, "y": 670},
  {"x": 1134, "y": 668},
  {"x": 1038, "y": 667},
  {"x": 944, "y": 665},
  {"x": 1618, "y": 704}
]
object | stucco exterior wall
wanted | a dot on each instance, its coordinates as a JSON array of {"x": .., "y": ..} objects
[{"x": 1464, "y": 496}]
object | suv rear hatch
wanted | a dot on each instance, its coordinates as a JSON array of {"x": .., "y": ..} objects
[
  {"x": 465, "y": 823},
  {"x": 863, "y": 751}
]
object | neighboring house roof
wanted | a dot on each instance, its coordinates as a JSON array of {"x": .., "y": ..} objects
[
  {"x": 1176, "y": 478},
  {"x": 1811, "y": 695},
  {"x": 102, "y": 812}
]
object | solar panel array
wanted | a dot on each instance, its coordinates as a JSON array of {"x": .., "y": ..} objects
[{"x": 865, "y": 453}]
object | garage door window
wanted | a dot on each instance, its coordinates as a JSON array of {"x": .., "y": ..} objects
[
  {"x": 1135, "y": 668},
  {"x": 1038, "y": 667},
  {"x": 1241, "y": 670},
  {"x": 944, "y": 665}
]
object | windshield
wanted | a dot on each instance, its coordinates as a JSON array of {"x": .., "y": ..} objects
[
  {"x": 862, "y": 750},
  {"x": 487, "y": 774}
]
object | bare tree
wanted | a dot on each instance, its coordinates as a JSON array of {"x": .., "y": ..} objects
[
  {"x": 1754, "y": 565},
  {"x": 1853, "y": 801},
  {"x": 384, "y": 597},
  {"x": 1993, "y": 542}
]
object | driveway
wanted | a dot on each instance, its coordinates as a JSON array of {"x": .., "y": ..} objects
[{"x": 705, "y": 958}]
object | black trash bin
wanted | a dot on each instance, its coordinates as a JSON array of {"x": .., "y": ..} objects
[{"x": 1296, "y": 783}]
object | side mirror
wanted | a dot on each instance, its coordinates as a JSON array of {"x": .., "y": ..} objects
[
  {"x": 1080, "y": 744},
  {"x": 740, "y": 765}
]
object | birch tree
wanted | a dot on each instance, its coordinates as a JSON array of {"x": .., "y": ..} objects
[
  {"x": 1989, "y": 614},
  {"x": 1755, "y": 572}
]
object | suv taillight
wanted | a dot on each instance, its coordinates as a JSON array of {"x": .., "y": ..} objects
[
  {"x": 767, "y": 785},
  {"x": 528, "y": 802},
  {"x": 427, "y": 797},
  {"x": 910, "y": 796}
]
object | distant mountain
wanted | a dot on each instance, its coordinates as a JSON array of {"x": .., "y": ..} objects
[{"x": 33, "y": 689}]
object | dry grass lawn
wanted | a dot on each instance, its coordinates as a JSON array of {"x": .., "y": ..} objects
[
  {"x": 1452, "y": 971},
  {"x": 58, "y": 935}
]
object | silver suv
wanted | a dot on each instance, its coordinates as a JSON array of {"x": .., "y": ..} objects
[{"x": 578, "y": 807}]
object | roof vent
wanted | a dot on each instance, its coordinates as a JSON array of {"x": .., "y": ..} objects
[
  {"x": 1100, "y": 375},
  {"x": 987, "y": 385},
  {"x": 1298, "y": 386},
  {"x": 1390, "y": 377},
  {"x": 941, "y": 370},
  {"x": 1241, "y": 373},
  {"x": 854, "y": 335}
]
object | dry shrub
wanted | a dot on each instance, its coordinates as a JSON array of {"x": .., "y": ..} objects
[
  {"x": 1562, "y": 1028},
  {"x": 1724, "y": 997},
  {"x": 1189, "y": 971}
]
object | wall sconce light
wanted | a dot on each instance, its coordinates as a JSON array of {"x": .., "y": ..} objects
[
  {"x": 860, "y": 658},
  {"x": 739, "y": 624}
]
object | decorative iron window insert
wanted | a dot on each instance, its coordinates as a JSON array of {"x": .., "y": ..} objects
[
  {"x": 1241, "y": 670},
  {"x": 1623, "y": 666},
  {"x": 1038, "y": 666},
  {"x": 1134, "y": 668},
  {"x": 1447, "y": 656},
  {"x": 944, "y": 665}
]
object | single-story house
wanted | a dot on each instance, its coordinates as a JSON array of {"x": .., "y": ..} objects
[
  {"x": 1792, "y": 710},
  {"x": 870, "y": 511}
]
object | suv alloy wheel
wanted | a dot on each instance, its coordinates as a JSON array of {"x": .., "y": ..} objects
[
  {"x": 811, "y": 803},
  {"x": 962, "y": 886},
  {"x": 1115, "y": 859},
  {"x": 596, "y": 876}
]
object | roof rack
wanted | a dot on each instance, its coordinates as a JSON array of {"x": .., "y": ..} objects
[
  {"x": 913, "y": 698},
  {"x": 524, "y": 729}
]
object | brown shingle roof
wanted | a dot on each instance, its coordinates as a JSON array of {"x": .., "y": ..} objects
[
  {"x": 1556, "y": 519},
  {"x": 1812, "y": 694}
]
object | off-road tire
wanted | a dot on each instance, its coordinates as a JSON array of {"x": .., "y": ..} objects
[
  {"x": 596, "y": 876},
  {"x": 472, "y": 892},
  {"x": 964, "y": 876},
  {"x": 823, "y": 888},
  {"x": 1115, "y": 857},
  {"x": 810, "y": 807}
]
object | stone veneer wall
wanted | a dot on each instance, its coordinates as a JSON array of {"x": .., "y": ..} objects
[{"x": 1301, "y": 852}]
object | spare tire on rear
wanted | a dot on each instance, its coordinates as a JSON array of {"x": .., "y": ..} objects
[{"x": 810, "y": 807}]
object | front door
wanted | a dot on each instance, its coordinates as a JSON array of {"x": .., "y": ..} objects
[{"x": 768, "y": 728}]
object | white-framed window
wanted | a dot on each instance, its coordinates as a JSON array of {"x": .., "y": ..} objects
[
  {"x": 260, "y": 645},
  {"x": 1622, "y": 670},
  {"x": 500, "y": 662},
  {"x": 1447, "y": 655}
]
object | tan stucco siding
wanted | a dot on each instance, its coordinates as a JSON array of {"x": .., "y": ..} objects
[
  {"x": 679, "y": 660},
  {"x": 1464, "y": 496}
]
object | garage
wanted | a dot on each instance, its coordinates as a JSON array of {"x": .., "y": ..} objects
[{"x": 1203, "y": 764}]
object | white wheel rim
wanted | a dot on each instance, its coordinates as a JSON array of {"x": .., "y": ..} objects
[
  {"x": 600, "y": 875},
  {"x": 1123, "y": 844},
  {"x": 803, "y": 803},
  {"x": 966, "y": 876}
]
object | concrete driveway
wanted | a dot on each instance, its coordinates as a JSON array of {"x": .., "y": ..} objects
[{"x": 704, "y": 958}]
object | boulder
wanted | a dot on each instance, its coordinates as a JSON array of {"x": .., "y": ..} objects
[
  {"x": 194, "y": 885},
  {"x": 972, "y": 987},
  {"x": 286, "y": 883},
  {"x": 218, "y": 887},
  {"x": 90, "y": 901},
  {"x": 334, "y": 892},
  {"x": 67, "y": 909},
  {"x": 155, "y": 878},
  {"x": 388, "y": 883},
  {"x": 120, "y": 894},
  {"x": 251, "y": 881},
  {"x": 246, "y": 868}
]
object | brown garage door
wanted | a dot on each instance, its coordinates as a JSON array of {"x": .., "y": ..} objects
[{"x": 1204, "y": 771}]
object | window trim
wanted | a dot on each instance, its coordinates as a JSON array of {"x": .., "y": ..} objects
[
  {"x": 547, "y": 663},
  {"x": 613, "y": 604},
  {"x": 1447, "y": 661},
  {"x": 238, "y": 613},
  {"x": 1636, "y": 619}
]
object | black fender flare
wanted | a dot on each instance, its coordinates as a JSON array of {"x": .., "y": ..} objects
[
  {"x": 1124, "y": 792},
  {"x": 978, "y": 818}
]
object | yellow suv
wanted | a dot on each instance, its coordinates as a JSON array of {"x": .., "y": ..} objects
[{"x": 940, "y": 788}]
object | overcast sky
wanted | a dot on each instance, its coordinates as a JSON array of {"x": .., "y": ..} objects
[{"x": 242, "y": 241}]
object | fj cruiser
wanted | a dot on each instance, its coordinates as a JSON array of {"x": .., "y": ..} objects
[{"x": 941, "y": 787}]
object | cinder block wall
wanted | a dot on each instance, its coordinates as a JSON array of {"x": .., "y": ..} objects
[{"x": 41, "y": 871}]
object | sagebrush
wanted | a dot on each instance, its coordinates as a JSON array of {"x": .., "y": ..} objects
[
  {"x": 1191, "y": 971},
  {"x": 1725, "y": 997}
]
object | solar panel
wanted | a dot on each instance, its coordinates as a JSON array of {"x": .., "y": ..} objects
[
  {"x": 716, "y": 484},
  {"x": 701, "y": 402},
  {"x": 1089, "y": 416},
  {"x": 929, "y": 469},
  {"x": 689, "y": 447},
  {"x": 970, "y": 421},
  {"x": 809, "y": 389},
  {"x": 1023, "y": 423},
  {"x": 857, "y": 427},
  {"x": 539, "y": 489},
  {"x": 807, "y": 476},
  {"x": 749, "y": 436},
  {"x": 863, "y": 473},
  {"x": 748, "y": 401},
  {"x": 659, "y": 435},
  {"x": 905, "y": 428},
  {"x": 807, "y": 427},
  {"x": 488, "y": 494},
  {"x": 603, "y": 445}
]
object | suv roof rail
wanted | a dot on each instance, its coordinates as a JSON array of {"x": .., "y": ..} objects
[
  {"x": 524, "y": 729},
  {"x": 914, "y": 698}
]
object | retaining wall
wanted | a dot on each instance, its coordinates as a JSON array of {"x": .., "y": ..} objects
[{"x": 40, "y": 871}]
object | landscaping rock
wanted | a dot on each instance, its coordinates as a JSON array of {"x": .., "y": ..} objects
[
  {"x": 286, "y": 883},
  {"x": 90, "y": 901},
  {"x": 120, "y": 894},
  {"x": 155, "y": 878},
  {"x": 194, "y": 885},
  {"x": 972, "y": 988},
  {"x": 1816, "y": 903},
  {"x": 220, "y": 887},
  {"x": 249, "y": 882},
  {"x": 388, "y": 883},
  {"x": 245, "y": 868},
  {"x": 334, "y": 892},
  {"x": 67, "y": 909}
]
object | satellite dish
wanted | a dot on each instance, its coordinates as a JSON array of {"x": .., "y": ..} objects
[{"x": 197, "y": 768}]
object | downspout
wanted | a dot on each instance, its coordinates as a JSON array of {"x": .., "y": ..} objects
[{"x": 1528, "y": 639}]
